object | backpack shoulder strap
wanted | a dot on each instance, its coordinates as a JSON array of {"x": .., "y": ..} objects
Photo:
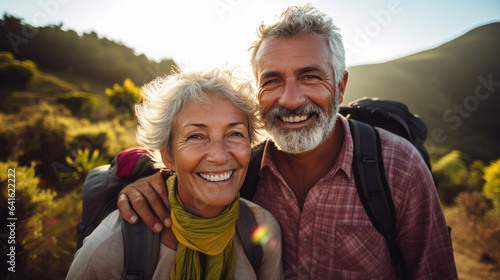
[
  {"x": 245, "y": 225},
  {"x": 371, "y": 182},
  {"x": 141, "y": 251},
  {"x": 252, "y": 178}
]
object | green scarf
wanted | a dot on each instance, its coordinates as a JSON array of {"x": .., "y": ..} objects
[{"x": 205, "y": 249}]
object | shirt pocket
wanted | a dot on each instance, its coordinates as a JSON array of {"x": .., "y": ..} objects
[{"x": 360, "y": 249}]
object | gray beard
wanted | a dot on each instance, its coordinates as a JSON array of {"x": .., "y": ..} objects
[{"x": 297, "y": 141}]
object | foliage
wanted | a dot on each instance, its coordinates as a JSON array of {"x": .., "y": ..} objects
[
  {"x": 472, "y": 205},
  {"x": 82, "y": 164},
  {"x": 123, "y": 98},
  {"x": 477, "y": 217},
  {"x": 475, "y": 234},
  {"x": 32, "y": 207},
  {"x": 451, "y": 173},
  {"x": 110, "y": 137},
  {"x": 475, "y": 179},
  {"x": 79, "y": 103},
  {"x": 492, "y": 186},
  {"x": 37, "y": 133},
  {"x": 48, "y": 134},
  {"x": 46, "y": 227},
  {"x": 14, "y": 74},
  {"x": 87, "y": 55}
]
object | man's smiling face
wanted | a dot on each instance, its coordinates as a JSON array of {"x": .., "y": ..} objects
[{"x": 297, "y": 96}]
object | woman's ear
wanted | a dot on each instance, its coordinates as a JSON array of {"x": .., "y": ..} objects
[{"x": 167, "y": 161}]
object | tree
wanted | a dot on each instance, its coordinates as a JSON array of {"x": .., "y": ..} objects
[
  {"x": 123, "y": 98},
  {"x": 491, "y": 188}
]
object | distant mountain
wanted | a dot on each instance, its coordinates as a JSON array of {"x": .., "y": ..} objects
[{"x": 455, "y": 88}]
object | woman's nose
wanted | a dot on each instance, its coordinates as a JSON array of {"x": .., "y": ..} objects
[{"x": 218, "y": 152}]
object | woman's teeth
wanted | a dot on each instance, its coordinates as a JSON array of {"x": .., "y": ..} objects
[{"x": 217, "y": 178}]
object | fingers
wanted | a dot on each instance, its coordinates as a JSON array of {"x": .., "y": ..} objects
[
  {"x": 141, "y": 202},
  {"x": 125, "y": 209},
  {"x": 161, "y": 208},
  {"x": 148, "y": 199},
  {"x": 134, "y": 198}
]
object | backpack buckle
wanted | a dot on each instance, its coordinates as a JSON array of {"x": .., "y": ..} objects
[{"x": 369, "y": 158}]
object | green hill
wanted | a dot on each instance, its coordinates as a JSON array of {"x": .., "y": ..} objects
[
  {"x": 87, "y": 55},
  {"x": 454, "y": 87}
]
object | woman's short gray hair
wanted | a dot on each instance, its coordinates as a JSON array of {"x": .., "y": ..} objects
[
  {"x": 303, "y": 20},
  {"x": 165, "y": 96}
]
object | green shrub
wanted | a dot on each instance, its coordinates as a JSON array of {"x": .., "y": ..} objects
[
  {"x": 32, "y": 206},
  {"x": 79, "y": 103},
  {"x": 46, "y": 225},
  {"x": 451, "y": 174},
  {"x": 14, "y": 74},
  {"x": 48, "y": 134},
  {"x": 475, "y": 180},
  {"x": 110, "y": 137},
  {"x": 491, "y": 188},
  {"x": 82, "y": 164},
  {"x": 123, "y": 98}
]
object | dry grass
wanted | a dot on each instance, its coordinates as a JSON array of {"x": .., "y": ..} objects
[{"x": 475, "y": 258}]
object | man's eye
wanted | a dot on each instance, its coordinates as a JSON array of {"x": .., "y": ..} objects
[
  {"x": 271, "y": 82},
  {"x": 310, "y": 77}
]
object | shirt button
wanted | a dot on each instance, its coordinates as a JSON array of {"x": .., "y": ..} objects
[{"x": 304, "y": 239}]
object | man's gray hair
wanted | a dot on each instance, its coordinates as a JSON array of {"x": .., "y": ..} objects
[
  {"x": 304, "y": 20},
  {"x": 165, "y": 96}
]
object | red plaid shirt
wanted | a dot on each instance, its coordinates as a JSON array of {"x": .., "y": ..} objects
[{"x": 333, "y": 238}]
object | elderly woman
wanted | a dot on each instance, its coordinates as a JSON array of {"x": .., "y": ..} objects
[{"x": 201, "y": 125}]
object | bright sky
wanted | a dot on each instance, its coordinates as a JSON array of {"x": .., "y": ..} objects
[{"x": 204, "y": 33}]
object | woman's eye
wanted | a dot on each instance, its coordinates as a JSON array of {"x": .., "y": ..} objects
[
  {"x": 238, "y": 134},
  {"x": 194, "y": 136}
]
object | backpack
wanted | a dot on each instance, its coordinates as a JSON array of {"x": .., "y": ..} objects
[
  {"x": 390, "y": 115},
  {"x": 141, "y": 245}
]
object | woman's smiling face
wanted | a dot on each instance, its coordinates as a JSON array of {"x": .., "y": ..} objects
[{"x": 210, "y": 154}]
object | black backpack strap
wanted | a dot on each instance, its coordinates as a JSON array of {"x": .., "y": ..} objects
[
  {"x": 141, "y": 251},
  {"x": 245, "y": 226},
  {"x": 371, "y": 182},
  {"x": 252, "y": 178}
]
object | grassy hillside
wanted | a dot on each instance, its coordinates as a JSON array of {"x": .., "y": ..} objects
[{"x": 454, "y": 88}]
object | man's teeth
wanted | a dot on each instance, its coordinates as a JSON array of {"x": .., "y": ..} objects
[
  {"x": 294, "y": 119},
  {"x": 217, "y": 178}
]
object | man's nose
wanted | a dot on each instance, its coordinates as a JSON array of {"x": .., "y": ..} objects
[{"x": 292, "y": 96}]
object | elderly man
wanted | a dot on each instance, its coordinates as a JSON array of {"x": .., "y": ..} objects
[{"x": 306, "y": 179}]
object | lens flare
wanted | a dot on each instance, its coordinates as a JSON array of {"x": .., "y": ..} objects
[{"x": 260, "y": 235}]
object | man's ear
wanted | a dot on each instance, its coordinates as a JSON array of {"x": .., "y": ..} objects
[{"x": 342, "y": 86}]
